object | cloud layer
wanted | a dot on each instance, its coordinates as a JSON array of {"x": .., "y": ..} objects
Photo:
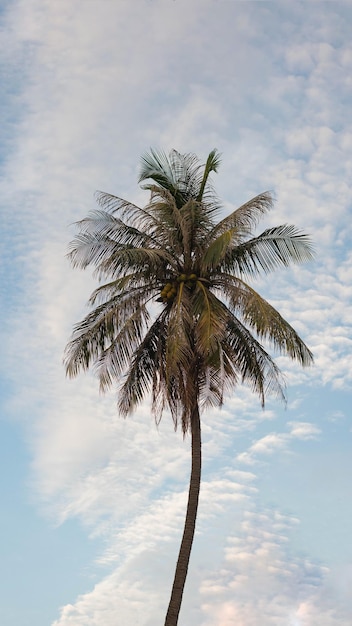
[{"x": 89, "y": 91}]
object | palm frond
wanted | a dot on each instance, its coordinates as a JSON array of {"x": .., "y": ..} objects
[
  {"x": 213, "y": 379},
  {"x": 211, "y": 318},
  {"x": 146, "y": 369},
  {"x": 265, "y": 320},
  {"x": 178, "y": 345},
  {"x": 245, "y": 218},
  {"x": 114, "y": 359},
  {"x": 251, "y": 362},
  {"x": 274, "y": 248},
  {"x": 171, "y": 230},
  {"x": 188, "y": 170},
  {"x": 105, "y": 227},
  {"x": 128, "y": 282},
  {"x": 156, "y": 166},
  {"x": 212, "y": 165},
  {"x": 198, "y": 219},
  {"x": 135, "y": 215},
  {"x": 98, "y": 330},
  {"x": 112, "y": 259},
  {"x": 216, "y": 251},
  {"x": 180, "y": 174}
]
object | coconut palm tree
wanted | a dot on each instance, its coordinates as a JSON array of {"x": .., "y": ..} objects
[{"x": 177, "y": 317}]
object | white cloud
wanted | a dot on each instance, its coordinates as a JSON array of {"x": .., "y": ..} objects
[
  {"x": 276, "y": 442},
  {"x": 261, "y": 583},
  {"x": 304, "y": 430}
]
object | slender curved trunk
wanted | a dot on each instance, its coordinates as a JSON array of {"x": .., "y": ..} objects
[{"x": 190, "y": 523}]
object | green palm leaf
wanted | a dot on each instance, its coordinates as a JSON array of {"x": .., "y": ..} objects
[
  {"x": 212, "y": 165},
  {"x": 274, "y": 248},
  {"x": 252, "y": 363},
  {"x": 264, "y": 319},
  {"x": 147, "y": 369},
  {"x": 244, "y": 219},
  {"x": 135, "y": 215}
]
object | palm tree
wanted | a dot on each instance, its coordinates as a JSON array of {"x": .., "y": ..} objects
[{"x": 177, "y": 316}]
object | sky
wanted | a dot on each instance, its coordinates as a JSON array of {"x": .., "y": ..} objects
[{"x": 92, "y": 506}]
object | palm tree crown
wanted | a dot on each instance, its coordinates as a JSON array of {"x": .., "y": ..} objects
[
  {"x": 173, "y": 252},
  {"x": 177, "y": 316}
]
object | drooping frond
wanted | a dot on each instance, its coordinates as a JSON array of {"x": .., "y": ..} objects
[
  {"x": 147, "y": 368},
  {"x": 210, "y": 320},
  {"x": 252, "y": 363},
  {"x": 113, "y": 360},
  {"x": 178, "y": 336},
  {"x": 99, "y": 329},
  {"x": 211, "y": 389},
  {"x": 265, "y": 320}
]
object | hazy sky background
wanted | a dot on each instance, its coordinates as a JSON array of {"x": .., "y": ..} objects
[{"x": 92, "y": 506}]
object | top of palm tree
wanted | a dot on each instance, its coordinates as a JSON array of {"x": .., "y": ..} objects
[{"x": 204, "y": 331}]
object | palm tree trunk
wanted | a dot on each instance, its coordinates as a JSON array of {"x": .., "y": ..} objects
[{"x": 190, "y": 523}]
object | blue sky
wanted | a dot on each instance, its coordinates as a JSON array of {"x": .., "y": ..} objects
[{"x": 92, "y": 506}]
